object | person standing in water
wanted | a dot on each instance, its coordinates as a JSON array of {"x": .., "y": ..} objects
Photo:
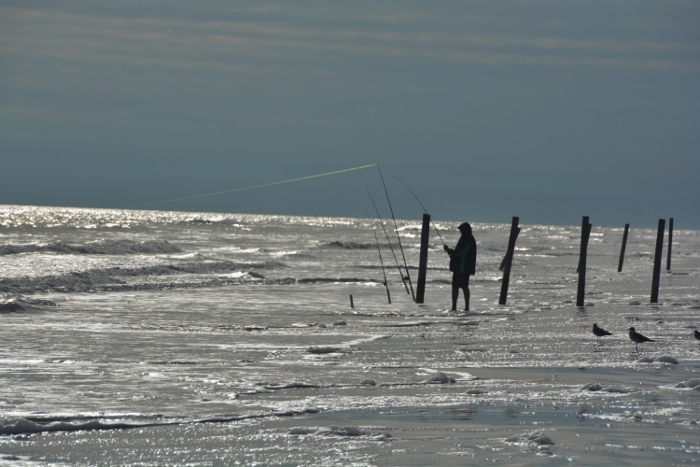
[{"x": 462, "y": 264}]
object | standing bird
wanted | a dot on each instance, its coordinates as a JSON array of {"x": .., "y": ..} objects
[
  {"x": 638, "y": 338},
  {"x": 600, "y": 332}
]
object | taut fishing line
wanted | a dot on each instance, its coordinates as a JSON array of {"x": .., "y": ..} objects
[
  {"x": 308, "y": 177},
  {"x": 424, "y": 210}
]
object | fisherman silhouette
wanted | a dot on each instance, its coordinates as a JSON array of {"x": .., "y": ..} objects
[{"x": 462, "y": 264}]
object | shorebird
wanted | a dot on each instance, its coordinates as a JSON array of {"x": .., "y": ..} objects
[
  {"x": 638, "y": 338},
  {"x": 600, "y": 332}
]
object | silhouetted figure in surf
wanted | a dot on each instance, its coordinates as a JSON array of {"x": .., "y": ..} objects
[{"x": 462, "y": 264}]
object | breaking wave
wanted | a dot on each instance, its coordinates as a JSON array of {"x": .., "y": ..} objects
[
  {"x": 30, "y": 425},
  {"x": 94, "y": 248},
  {"x": 351, "y": 245},
  {"x": 183, "y": 275}
]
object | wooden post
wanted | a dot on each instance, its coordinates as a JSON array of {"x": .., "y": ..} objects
[
  {"x": 670, "y": 244},
  {"x": 352, "y": 304},
  {"x": 508, "y": 260},
  {"x": 423, "y": 261},
  {"x": 585, "y": 234},
  {"x": 624, "y": 244},
  {"x": 657, "y": 261}
]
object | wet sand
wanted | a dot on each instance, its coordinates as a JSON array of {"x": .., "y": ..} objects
[{"x": 511, "y": 415}]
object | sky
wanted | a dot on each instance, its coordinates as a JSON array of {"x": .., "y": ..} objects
[{"x": 545, "y": 110}]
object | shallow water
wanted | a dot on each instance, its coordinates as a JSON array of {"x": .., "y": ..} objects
[{"x": 156, "y": 338}]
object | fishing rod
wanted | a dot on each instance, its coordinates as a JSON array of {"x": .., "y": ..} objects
[
  {"x": 387, "y": 240},
  {"x": 408, "y": 277},
  {"x": 381, "y": 261},
  {"x": 424, "y": 210}
]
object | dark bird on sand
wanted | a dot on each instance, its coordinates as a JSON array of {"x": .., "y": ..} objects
[
  {"x": 600, "y": 332},
  {"x": 697, "y": 334},
  {"x": 638, "y": 338}
]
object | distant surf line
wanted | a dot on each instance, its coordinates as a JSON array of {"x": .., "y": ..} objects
[{"x": 298, "y": 179}]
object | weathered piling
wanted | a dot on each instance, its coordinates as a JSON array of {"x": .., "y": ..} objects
[
  {"x": 508, "y": 260},
  {"x": 423, "y": 260},
  {"x": 658, "y": 252},
  {"x": 585, "y": 235},
  {"x": 352, "y": 303},
  {"x": 624, "y": 245},
  {"x": 670, "y": 244}
]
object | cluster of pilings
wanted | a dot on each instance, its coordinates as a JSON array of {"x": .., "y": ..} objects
[
  {"x": 586, "y": 227},
  {"x": 658, "y": 253}
]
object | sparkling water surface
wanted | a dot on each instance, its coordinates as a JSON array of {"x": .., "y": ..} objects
[{"x": 169, "y": 338}]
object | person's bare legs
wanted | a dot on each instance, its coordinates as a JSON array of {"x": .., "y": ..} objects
[{"x": 455, "y": 296}]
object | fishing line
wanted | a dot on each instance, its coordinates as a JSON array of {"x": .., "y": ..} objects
[
  {"x": 424, "y": 210},
  {"x": 387, "y": 240},
  {"x": 308, "y": 177},
  {"x": 397, "y": 233}
]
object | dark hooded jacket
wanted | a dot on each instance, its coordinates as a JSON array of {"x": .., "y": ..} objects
[{"x": 463, "y": 257}]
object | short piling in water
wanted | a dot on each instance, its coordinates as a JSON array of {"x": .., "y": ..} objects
[
  {"x": 352, "y": 303},
  {"x": 622, "y": 250},
  {"x": 508, "y": 260},
  {"x": 585, "y": 235},
  {"x": 658, "y": 253},
  {"x": 423, "y": 261},
  {"x": 670, "y": 244}
]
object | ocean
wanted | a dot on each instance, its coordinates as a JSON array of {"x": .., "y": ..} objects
[{"x": 156, "y": 338}]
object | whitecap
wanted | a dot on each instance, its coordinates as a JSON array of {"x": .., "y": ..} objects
[
  {"x": 14, "y": 305},
  {"x": 284, "y": 253},
  {"x": 327, "y": 349},
  {"x": 661, "y": 359},
  {"x": 535, "y": 439},
  {"x": 439, "y": 378},
  {"x": 666, "y": 359},
  {"x": 691, "y": 383},
  {"x": 597, "y": 387}
]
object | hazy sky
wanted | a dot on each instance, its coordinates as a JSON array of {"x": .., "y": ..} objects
[{"x": 548, "y": 110}]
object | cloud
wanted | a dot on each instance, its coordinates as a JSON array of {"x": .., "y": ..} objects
[{"x": 240, "y": 46}]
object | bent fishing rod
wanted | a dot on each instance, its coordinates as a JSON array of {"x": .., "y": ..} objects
[
  {"x": 396, "y": 227},
  {"x": 381, "y": 260},
  {"x": 398, "y": 266},
  {"x": 424, "y": 210}
]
